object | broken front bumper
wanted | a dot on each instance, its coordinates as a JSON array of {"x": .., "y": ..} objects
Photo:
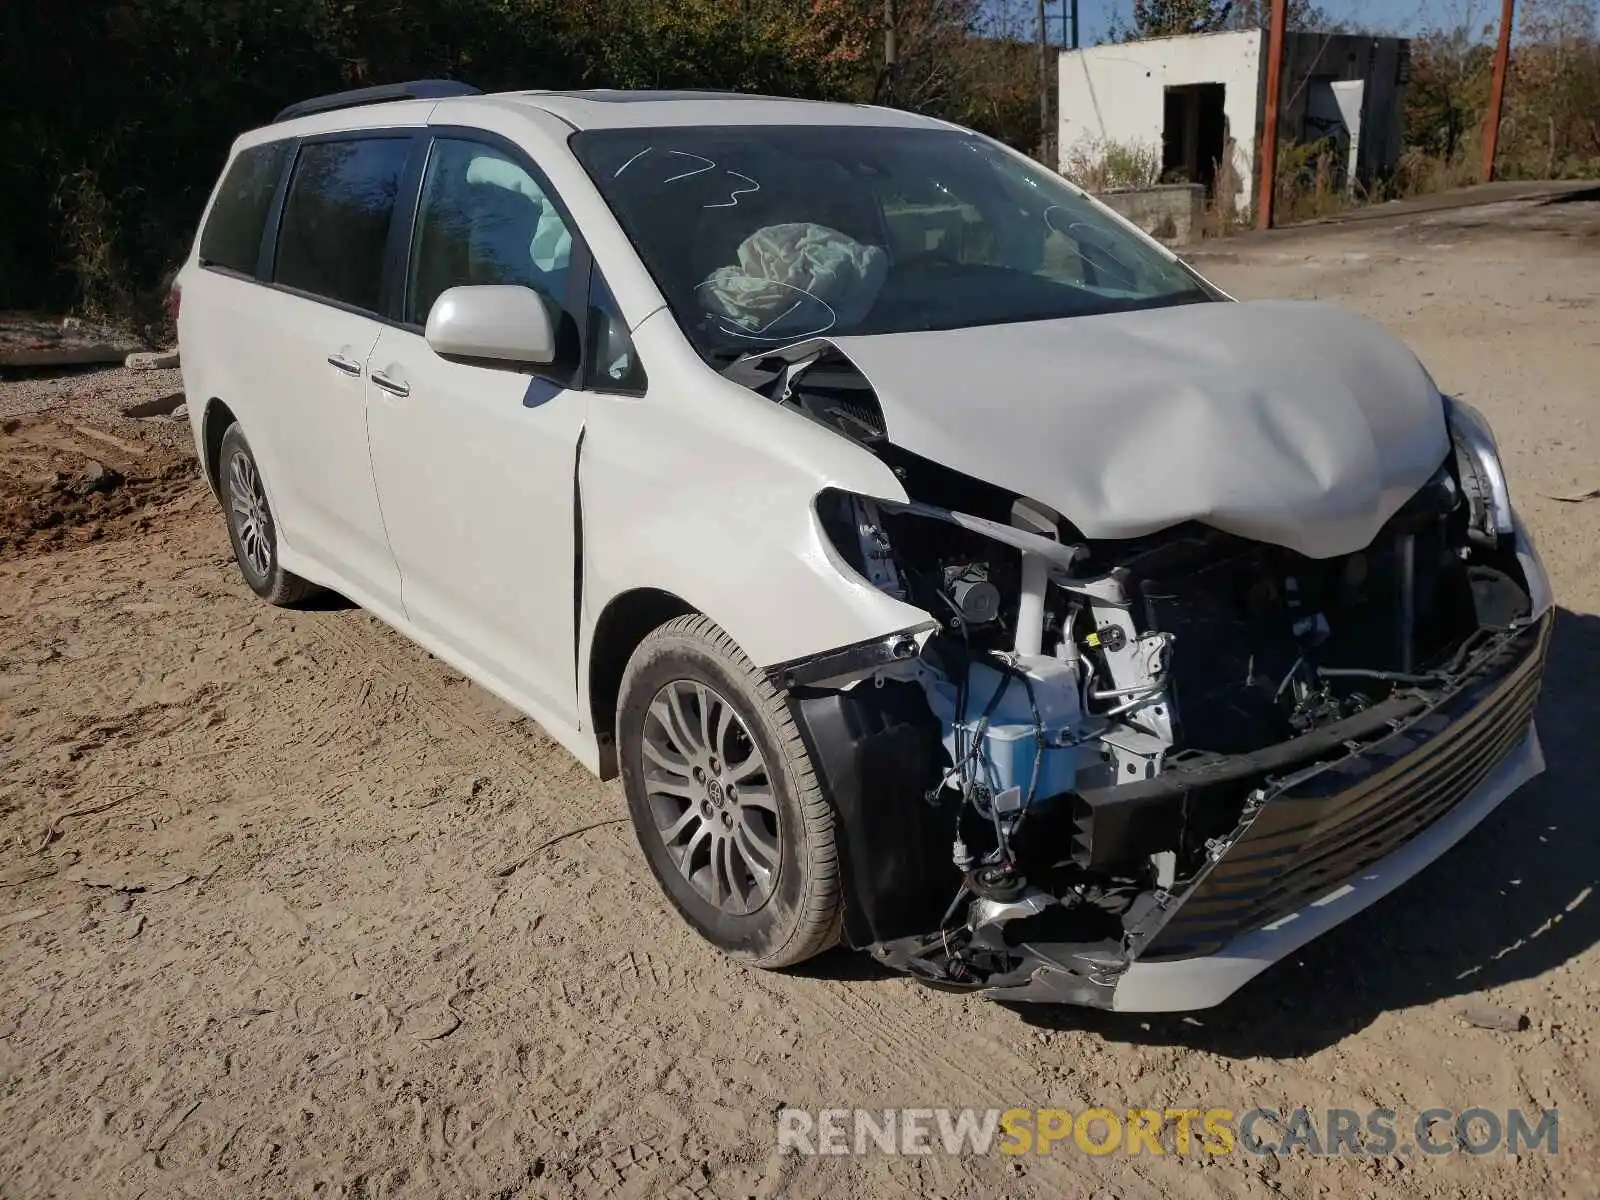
[{"x": 1318, "y": 845}]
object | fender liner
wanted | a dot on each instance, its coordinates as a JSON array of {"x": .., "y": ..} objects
[{"x": 878, "y": 752}]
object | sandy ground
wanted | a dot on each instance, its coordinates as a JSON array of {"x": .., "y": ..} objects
[{"x": 288, "y": 908}]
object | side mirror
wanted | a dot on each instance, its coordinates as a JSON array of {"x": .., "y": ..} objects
[{"x": 493, "y": 324}]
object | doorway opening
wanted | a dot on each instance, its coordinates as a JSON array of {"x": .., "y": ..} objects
[{"x": 1194, "y": 133}]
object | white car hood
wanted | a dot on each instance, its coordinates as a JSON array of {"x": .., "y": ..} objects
[{"x": 1289, "y": 422}]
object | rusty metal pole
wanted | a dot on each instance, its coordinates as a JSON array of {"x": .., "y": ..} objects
[
  {"x": 890, "y": 55},
  {"x": 1267, "y": 182},
  {"x": 1044, "y": 90},
  {"x": 1497, "y": 96}
]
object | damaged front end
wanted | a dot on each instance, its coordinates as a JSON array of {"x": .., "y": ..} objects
[{"x": 1106, "y": 754}]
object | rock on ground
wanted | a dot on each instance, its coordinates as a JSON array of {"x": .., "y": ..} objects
[{"x": 152, "y": 360}]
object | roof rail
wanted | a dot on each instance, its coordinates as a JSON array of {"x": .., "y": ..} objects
[{"x": 417, "y": 89}]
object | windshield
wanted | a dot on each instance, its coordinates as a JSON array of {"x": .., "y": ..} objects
[{"x": 760, "y": 236}]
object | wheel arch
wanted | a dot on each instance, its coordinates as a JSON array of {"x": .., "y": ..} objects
[
  {"x": 218, "y": 417},
  {"x": 626, "y": 620}
]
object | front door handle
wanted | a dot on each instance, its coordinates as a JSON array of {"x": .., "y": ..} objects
[
  {"x": 392, "y": 386},
  {"x": 348, "y": 365}
]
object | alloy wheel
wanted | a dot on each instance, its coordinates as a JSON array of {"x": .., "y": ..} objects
[
  {"x": 252, "y": 521},
  {"x": 710, "y": 794}
]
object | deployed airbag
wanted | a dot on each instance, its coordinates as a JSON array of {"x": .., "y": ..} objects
[{"x": 795, "y": 279}]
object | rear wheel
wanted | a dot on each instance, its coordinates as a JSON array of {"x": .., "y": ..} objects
[
  {"x": 723, "y": 797},
  {"x": 251, "y": 529}
]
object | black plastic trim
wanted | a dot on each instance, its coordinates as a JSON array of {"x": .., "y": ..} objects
[
  {"x": 1124, "y": 822},
  {"x": 877, "y": 752},
  {"x": 416, "y": 89},
  {"x": 577, "y": 561},
  {"x": 268, "y": 252},
  {"x": 1305, "y": 833},
  {"x": 593, "y": 380},
  {"x": 228, "y": 272},
  {"x": 397, "y": 250},
  {"x": 858, "y": 656}
]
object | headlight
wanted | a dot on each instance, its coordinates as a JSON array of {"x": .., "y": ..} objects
[{"x": 1483, "y": 479}]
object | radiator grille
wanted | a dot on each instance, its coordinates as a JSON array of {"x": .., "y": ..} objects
[{"x": 1312, "y": 834}]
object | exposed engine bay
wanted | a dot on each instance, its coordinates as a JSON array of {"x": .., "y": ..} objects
[{"x": 1091, "y": 726}]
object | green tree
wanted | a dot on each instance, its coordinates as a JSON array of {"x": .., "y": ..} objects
[
  {"x": 1166, "y": 18},
  {"x": 1552, "y": 120},
  {"x": 1304, "y": 15},
  {"x": 1449, "y": 90}
]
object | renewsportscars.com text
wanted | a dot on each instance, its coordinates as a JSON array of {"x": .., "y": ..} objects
[{"x": 1377, "y": 1132}]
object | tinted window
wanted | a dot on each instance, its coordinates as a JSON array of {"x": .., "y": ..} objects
[
  {"x": 336, "y": 218},
  {"x": 614, "y": 364},
  {"x": 484, "y": 218},
  {"x": 232, "y": 236}
]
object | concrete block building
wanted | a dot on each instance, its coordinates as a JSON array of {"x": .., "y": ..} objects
[{"x": 1200, "y": 101}]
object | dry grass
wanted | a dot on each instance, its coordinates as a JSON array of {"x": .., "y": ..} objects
[
  {"x": 1311, "y": 184},
  {"x": 1102, "y": 165},
  {"x": 1222, "y": 215}
]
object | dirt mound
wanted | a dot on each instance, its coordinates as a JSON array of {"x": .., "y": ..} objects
[
  {"x": 64, "y": 484},
  {"x": 30, "y": 342}
]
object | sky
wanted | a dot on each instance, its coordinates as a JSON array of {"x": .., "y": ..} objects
[{"x": 1378, "y": 16}]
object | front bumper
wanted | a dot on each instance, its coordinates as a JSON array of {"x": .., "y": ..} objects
[
  {"x": 1188, "y": 984},
  {"x": 1319, "y": 846},
  {"x": 1203, "y": 982}
]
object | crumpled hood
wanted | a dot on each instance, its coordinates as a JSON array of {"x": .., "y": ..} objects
[{"x": 1289, "y": 422}]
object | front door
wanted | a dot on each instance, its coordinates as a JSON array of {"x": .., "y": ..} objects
[{"x": 474, "y": 465}]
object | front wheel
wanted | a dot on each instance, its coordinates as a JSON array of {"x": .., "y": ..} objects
[{"x": 726, "y": 805}]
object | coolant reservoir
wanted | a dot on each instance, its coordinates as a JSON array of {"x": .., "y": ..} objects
[{"x": 1009, "y": 741}]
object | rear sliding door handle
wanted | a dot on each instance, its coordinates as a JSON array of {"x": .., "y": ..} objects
[
  {"x": 393, "y": 387},
  {"x": 348, "y": 365}
]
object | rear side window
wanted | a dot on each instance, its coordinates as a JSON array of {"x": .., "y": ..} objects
[
  {"x": 336, "y": 218},
  {"x": 232, "y": 236}
]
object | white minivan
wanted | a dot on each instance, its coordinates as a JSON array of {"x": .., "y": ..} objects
[{"x": 944, "y": 566}]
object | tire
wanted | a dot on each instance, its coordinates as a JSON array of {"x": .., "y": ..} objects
[
  {"x": 251, "y": 527},
  {"x": 690, "y": 702}
]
